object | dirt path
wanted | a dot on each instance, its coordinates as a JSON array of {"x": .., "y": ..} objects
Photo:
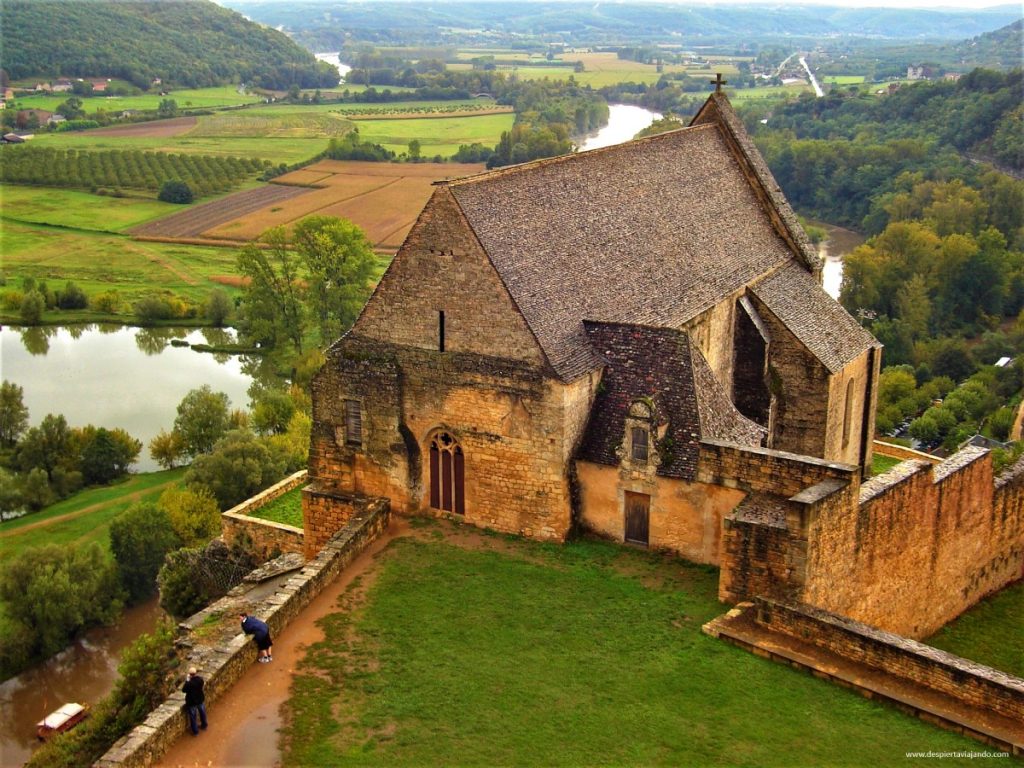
[
  {"x": 136, "y": 496},
  {"x": 244, "y": 724}
]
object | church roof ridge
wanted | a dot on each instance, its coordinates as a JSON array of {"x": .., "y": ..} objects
[{"x": 542, "y": 162}]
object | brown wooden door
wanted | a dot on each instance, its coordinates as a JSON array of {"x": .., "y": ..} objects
[{"x": 638, "y": 514}]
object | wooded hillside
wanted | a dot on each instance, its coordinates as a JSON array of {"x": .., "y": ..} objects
[{"x": 195, "y": 43}]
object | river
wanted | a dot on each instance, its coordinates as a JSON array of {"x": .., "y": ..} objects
[
  {"x": 832, "y": 250},
  {"x": 332, "y": 58},
  {"x": 84, "y": 672},
  {"x": 118, "y": 376},
  {"x": 624, "y": 122}
]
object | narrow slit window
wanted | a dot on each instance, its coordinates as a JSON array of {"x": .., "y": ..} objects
[
  {"x": 639, "y": 440},
  {"x": 440, "y": 330},
  {"x": 353, "y": 423}
]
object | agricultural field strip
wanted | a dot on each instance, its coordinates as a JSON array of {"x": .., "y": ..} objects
[
  {"x": 194, "y": 221},
  {"x": 319, "y": 200}
]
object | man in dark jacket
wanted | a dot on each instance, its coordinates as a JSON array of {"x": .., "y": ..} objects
[
  {"x": 195, "y": 707},
  {"x": 261, "y": 634}
]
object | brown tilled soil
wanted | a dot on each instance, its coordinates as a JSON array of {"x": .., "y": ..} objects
[
  {"x": 154, "y": 129},
  {"x": 194, "y": 221}
]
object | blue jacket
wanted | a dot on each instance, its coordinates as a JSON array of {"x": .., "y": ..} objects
[{"x": 253, "y": 626}]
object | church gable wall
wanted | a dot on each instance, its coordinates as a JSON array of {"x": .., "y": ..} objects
[
  {"x": 442, "y": 268},
  {"x": 800, "y": 387},
  {"x": 851, "y": 401},
  {"x": 506, "y": 418},
  {"x": 712, "y": 332}
]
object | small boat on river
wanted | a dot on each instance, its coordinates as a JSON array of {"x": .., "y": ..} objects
[{"x": 61, "y": 720}]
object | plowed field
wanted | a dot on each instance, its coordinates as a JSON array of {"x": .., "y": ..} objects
[
  {"x": 193, "y": 222},
  {"x": 382, "y": 198}
]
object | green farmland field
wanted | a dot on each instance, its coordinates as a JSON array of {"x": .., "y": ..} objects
[
  {"x": 508, "y": 652},
  {"x": 186, "y": 99},
  {"x": 437, "y": 135},
  {"x": 77, "y": 209}
]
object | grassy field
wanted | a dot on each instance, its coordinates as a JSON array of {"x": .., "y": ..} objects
[
  {"x": 78, "y": 209},
  {"x": 437, "y": 136},
  {"x": 86, "y": 516},
  {"x": 507, "y": 652},
  {"x": 741, "y": 95},
  {"x": 842, "y": 79},
  {"x": 186, "y": 99},
  {"x": 99, "y": 262},
  {"x": 880, "y": 463},
  {"x": 991, "y": 633},
  {"x": 286, "y": 508}
]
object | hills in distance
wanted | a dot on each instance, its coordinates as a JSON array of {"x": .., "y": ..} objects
[{"x": 194, "y": 44}]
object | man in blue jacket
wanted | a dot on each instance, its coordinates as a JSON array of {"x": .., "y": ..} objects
[
  {"x": 195, "y": 698},
  {"x": 261, "y": 634}
]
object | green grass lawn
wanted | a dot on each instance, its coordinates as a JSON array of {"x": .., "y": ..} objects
[
  {"x": 222, "y": 96},
  {"x": 79, "y": 209},
  {"x": 507, "y": 652},
  {"x": 991, "y": 633},
  {"x": 880, "y": 463},
  {"x": 842, "y": 79},
  {"x": 740, "y": 95},
  {"x": 286, "y": 508},
  {"x": 103, "y": 505}
]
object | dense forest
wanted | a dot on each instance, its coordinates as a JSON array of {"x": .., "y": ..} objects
[
  {"x": 940, "y": 282},
  {"x": 327, "y": 25},
  {"x": 141, "y": 41}
]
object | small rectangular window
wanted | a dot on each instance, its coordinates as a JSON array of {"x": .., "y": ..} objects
[
  {"x": 440, "y": 330},
  {"x": 353, "y": 423},
  {"x": 639, "y": 439}
]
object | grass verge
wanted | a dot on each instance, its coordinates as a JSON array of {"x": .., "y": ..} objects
[
  {"x": 517, "y": 653},
  {"x": 286, "y": 508},
  {"x": 991, "y": 633}
]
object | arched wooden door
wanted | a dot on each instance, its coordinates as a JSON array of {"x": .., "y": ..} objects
[{"x": 447, "y": 474}]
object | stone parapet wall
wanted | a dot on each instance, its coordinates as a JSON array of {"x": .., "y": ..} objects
[
  {"x": 972, "y": 683},
  {"x": 325, "y": 512},
  {"x": 267, "y": 537},
  {"x": 902, "y": 452},
  {"x": 921, "y": 544},
  {"x": 762, "y": 470},
  {"x": 226, "y": 655}
]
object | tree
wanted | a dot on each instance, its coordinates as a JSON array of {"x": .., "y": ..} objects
[
  {"x": 13, "y": 414},
  {"x": 193, "y": 513},
  {"x": 10, "y": 495},
  {"x": 47, "y": 446},
  {"x": 32, "y": 306},
  {"x": 71, "y": 109},
  {"x": 203, "y": 418},
  {"x": 181, "y": 593},
  {"x": 106, "y": 455},
  {"x": 167, "y": 449},
  {"x": 218, "y": 307},
  {"x": 167, "y": 108},
  {"x": 72, "y": 297},
  {"x": 57, "y": 591},
  {"x": 271, "y": 412},
  {"x": 140, "y": 539},
  {"x": 415, "y": 150},
  {"x": 35, "y": 489},
  {"x": 176, "y": 191},
  {"x": 238, "y": 467},
  {"x": 340, "y": 262},
  {"x": 272, "y": 307}
]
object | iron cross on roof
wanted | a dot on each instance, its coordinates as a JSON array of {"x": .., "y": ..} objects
[{"x": 718, "y": 82}]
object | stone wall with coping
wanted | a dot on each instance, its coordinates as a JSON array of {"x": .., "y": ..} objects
[
  {"x": 968, "y": 681},
  {"x": 210, "y": 639},
  {"x": 267, "y": 536}
]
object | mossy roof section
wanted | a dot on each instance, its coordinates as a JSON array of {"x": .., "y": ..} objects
[
  {"x": 660, "y": 366},
  {"x": 820, "y": 323},
  {"x": 651, "y": 232}
]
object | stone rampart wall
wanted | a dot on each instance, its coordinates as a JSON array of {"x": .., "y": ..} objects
[
  {"x": 268, "y": 538},
  {"x": 972, "y": 683},
  {"x": 762, "y": 470},
  {"x": 902, "y": 452},
  {"x": 922, "y": 544},
  {"x": 225, "y": 657}
]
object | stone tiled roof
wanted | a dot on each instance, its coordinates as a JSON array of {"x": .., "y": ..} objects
[
  {"x": 651, "y": 232},
  {"x": 815, "y": 318},
  {"x": 662, "y": 367},
  {"x": 718, "y": 110}
]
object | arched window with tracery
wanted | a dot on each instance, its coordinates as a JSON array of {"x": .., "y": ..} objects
[{"x": 447, "y": 474}]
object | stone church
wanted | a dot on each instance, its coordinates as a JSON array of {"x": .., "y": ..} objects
[{"x": 555, "y": 342}]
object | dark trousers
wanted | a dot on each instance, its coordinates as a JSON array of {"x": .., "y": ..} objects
[{"x": 196, "y": 717}]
